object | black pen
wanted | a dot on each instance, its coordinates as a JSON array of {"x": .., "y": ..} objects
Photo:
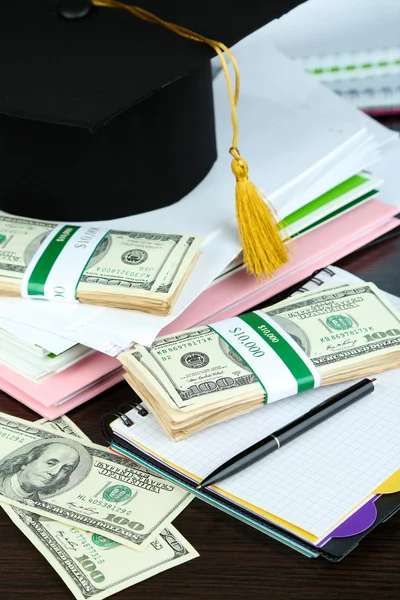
[{"x": 285, "y": 434}]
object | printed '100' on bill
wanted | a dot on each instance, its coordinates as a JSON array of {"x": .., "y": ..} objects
[{"x": 83, "y": 485}]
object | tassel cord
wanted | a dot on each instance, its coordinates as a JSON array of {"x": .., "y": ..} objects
[
  {"x": 218, "y": 47},
  {"x": 263, "y": 248}
]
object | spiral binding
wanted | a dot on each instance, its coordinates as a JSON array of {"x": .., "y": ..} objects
[
  {"x": 120, "y": 414},
  {"x": 134, "y": 406},
  {"x": 297, "y": 287}
]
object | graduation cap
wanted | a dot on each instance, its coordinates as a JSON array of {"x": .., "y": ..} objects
[{"x": 105, "y": 114}]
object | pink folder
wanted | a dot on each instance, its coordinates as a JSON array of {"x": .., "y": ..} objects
[
  {"x": 315, "y": 250},
  {"x": 62, "y": 386},
  {"x": 52, "y": 412},
  {"x": 63, "y": 391}
]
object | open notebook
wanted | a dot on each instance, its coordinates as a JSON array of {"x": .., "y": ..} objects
[{"x": 302, "y": 493}]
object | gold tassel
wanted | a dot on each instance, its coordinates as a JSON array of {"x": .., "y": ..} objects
[{"x": 263, "y": 248}]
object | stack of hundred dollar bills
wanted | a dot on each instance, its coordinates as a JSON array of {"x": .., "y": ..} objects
[
  {"x": 102, "y": 522},
  {"x": 143, "y": 271},
  {"x": 348, "y": 331}
]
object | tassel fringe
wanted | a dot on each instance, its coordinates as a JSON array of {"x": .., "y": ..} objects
[{"x": 263, "y": 248}]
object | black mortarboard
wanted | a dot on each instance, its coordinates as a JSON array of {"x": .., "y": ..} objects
[{"x": 108, "y": 115}]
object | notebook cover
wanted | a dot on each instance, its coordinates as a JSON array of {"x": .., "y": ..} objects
[
  {"x": 124, "y": 449},
  {"x": 339, "y": 543}
]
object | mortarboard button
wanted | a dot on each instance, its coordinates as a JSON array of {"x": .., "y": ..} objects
[{"x": 74, "y": 9}]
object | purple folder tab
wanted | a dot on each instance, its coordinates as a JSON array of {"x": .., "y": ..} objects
[{"x": 358, "y": 522}]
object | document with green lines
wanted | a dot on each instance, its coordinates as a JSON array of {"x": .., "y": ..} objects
[
  {"x": 337, "y": 201},
  {"x": 340, "y": 199}
]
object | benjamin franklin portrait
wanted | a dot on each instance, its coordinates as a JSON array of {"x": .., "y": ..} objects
[{"x": 43, "y": 469}]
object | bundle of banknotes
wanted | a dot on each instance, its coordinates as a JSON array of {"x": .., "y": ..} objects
[
  {"x": 134, "y": 270},
  {"x": 101, "y": 521},
  {"x": 347, "y": 331}
]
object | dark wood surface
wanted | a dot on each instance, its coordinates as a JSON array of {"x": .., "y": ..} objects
[{"x": 236, "y": 562}]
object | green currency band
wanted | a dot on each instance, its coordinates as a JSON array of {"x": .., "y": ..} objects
[
  {"x": 38, "y": 277},
  {"x": 57, "y": 271},
  {"x": 294, "y": 362}
]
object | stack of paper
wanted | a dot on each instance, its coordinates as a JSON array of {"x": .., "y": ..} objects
[
  {"x": 310, "y": 152},
  {"x": 49, "y": 374},
  {"x": 35, "y": 362}
]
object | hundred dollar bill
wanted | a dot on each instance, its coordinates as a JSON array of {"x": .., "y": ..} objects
[
  {"x": 192, "y": 368},
  {"x": 83, "y": 485},
  {"x": 341, "y": 325},
  {"x": 145, "y": 262},
  {"x": 63, "y": 425},
  {"x": 91, "y": 565},
  {"x": 124, "y": 263},
  {"x": 339, "y": 329}
]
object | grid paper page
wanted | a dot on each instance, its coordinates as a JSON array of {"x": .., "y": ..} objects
[{"x": 311, "y": 482}]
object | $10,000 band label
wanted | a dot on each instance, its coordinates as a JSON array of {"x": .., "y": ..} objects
[{"x": 280, "y": 365}]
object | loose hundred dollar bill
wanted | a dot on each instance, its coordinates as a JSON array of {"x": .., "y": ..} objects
[
  {"x": 83, "y": 485},
  {"x": 63, "y": 425},
  {"x": 336, "y": 327},
  {"x": 91, "y": 565},
  {"x": 124, "y": 261}
]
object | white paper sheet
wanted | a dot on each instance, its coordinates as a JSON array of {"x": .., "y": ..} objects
[{"x": 27, "y": 334}]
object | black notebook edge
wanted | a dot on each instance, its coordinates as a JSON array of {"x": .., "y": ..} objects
[{"x": 386, "y": 506}]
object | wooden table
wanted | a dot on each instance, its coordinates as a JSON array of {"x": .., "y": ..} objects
[{"x": 236, "y": 562}]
